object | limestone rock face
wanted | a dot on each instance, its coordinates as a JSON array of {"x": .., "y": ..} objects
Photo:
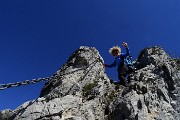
[
  {"x": 75, "y": 92},
  {"x": 81, "y": 90},
  {"x": 154, "y": 90}
]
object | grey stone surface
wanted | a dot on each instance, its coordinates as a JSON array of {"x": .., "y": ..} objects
[
  {"x": 154, "y": 90},
  {"x": 81, "y": 90}
]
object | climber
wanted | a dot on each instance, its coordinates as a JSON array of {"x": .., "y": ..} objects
[{"x": 122, "y": 61}]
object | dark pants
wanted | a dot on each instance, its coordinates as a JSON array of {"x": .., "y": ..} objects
[{"x": 122, "y": 73}]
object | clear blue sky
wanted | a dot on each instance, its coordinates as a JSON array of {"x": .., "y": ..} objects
[{"x": 38, "y": 36}]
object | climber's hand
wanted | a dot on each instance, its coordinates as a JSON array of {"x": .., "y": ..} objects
[
  {"x": 124, "y": 44},
  {"x": 105, "y": 65}
]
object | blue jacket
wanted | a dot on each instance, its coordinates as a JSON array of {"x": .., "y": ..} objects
[{"x": 118, "y": 59}]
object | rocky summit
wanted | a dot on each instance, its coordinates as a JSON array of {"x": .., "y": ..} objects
[{"x": 81, "y": 90}]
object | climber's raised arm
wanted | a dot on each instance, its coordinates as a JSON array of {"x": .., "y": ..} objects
[{"x": 127, "y": 48}]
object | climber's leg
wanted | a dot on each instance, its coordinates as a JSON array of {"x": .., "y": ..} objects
[
  {"x": 123, "y": 80},
  {"x": 122, "y": 73}
]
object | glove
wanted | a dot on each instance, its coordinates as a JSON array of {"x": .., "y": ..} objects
[{"x": 105, "y": 65}]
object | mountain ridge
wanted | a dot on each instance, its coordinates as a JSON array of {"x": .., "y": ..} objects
[{"x": 81, "y": 90}]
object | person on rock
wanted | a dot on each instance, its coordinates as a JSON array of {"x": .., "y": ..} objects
[{"x": 121, "y": 62}]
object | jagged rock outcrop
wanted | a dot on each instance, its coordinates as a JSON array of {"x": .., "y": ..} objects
[
  {"x": 75, "y": 92},
  {"x": 154, "y": 90},
  {"x": 81, "y": 90}
]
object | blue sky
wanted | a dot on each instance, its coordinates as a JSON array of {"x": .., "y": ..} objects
[{"x": 38, "y": 36}]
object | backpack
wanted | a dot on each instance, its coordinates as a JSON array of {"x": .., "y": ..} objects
[{"x": 128, "y": 62}]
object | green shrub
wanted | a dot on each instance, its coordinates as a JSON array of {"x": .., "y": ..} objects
[
  {"x": 89, "y": 86},
  {"x": 177, "y": 60},
  {"x": 111, "y": 96}
]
